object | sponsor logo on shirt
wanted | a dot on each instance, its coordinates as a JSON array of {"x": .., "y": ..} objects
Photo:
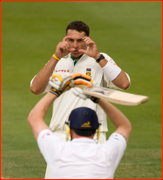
[
  {"x": 48, "y": 134},
  {"x": 87, "y": 124},
  {"x": 64, "y": 70}
]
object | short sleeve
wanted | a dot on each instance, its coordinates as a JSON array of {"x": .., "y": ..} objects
[
  {"x": 115, "y": 146},
  {"x": 48, "y": 143},
  {"x": 109, "y": 83}
]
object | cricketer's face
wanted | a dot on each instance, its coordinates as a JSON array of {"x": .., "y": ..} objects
[{"x": 76, "y": 42}]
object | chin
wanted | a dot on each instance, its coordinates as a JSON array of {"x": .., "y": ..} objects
[{"x": 76, "y": 55}]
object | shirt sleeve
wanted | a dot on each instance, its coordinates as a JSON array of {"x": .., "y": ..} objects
[
  {"x": 47, "y": 143},
  {"x": 107, "y": 80},
  {"x": 115, "y": 146},
  {"x": 47, "y": 89}
]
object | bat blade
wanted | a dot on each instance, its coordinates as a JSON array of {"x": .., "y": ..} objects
[{"x": 114, "y": 96}]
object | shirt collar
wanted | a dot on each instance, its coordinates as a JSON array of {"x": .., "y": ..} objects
[
  {"x": 85, "y": 140},
  {"x": 75, "y": 60}
]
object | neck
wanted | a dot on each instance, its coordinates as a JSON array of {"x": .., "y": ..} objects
[
  {"x": 76, "y": 58},
  {"x": 76, "y": 136}
]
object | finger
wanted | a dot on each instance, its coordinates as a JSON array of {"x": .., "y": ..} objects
[
  {"x": 64, "y": 47},
  {"x": 61, "y": 44},
  {"x": 71, "y": 49},
  {"x": 88, "y": 41},
  {"x": 86, "y": 38},
  {"x": 83, "y": 51},
  {"x": 78, "y": 92},
  {"x": 65, "y": 38}
]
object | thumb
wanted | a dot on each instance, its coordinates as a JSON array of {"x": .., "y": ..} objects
[
  {"x": 71, "y": 49},
  {"x": 83, "y": 51}
]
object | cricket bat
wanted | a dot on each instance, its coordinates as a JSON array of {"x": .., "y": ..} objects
[{"x": 114, "y": 96}]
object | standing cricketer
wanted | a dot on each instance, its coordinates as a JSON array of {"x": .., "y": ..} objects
[
  {"x": 81, "y": 158},
  {"x": 78, "y": 53}
]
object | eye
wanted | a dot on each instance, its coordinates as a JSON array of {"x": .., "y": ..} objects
[
  {"x": 71, "y": 40},
  {"x": 80, "y": 40}
]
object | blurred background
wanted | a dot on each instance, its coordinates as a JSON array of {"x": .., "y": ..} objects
[{"x": 128, "y": 31}]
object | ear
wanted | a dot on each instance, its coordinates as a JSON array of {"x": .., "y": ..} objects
[{"x": 72, "y": 133}]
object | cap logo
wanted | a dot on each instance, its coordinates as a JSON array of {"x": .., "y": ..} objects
[
  {"x": 87, "y": 124},
  {"x": 85, "y": 112}
]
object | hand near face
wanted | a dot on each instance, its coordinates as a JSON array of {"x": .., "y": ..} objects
[
  {"x": 92, "y": 50},
  {"x": 76, "y": 43},
  {"x": 63, "y": 48}
]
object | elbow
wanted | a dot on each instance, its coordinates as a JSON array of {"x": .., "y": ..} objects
[
  {"x": 130, "y": 129},
  {"x": 30, "y": 117},
  {"x": 34, "y": 90},
  {"x": 125, "y": 85},
  {"x": 126, "y": 82}
]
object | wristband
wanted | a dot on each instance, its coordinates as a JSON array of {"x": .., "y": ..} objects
[
  {"x": 100, "y": 58},
  {"x": 55, "y": 57},
  {"x": 56, "y": 92},
  {"x": 111, "y": 70},
  {"x": 95, "y": 99}
]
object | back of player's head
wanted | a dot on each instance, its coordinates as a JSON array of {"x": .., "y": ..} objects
[
  {"x": 78, "y": 26},
  {"x": 83, "y": 121}
]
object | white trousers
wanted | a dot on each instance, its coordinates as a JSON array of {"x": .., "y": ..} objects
[{"x": 62, "y": 135}]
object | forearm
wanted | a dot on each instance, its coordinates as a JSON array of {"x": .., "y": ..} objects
[
  {"x": 115, "y": 115},
  {"x": 122, "y": 81},
  {"x": 41, "y": 80},
  {"x": 41, "y": 108},
  {"x": 115, "y": 74},
  {"x": 118, "y": 119},
  {"x": 37, "y": 114}
]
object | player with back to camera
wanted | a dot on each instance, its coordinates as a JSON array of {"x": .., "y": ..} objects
[
  {"x": 80, "y": 158},
  {"x": 78, "y": 53}
]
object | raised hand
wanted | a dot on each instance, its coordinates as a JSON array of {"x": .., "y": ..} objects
[
  {"x": 92, "y": 50},
  {"x": 79, "y": 93},
  {"x": 63, "y": 48},
  {"x": 59, "y": 83},
  {"x": 81, "y": 79}
]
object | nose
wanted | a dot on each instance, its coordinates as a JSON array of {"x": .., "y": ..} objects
[{"x": 75, "y": 44}]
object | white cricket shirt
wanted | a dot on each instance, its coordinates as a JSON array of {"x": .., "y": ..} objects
[
  {"x": 81, "y": 158},
  {"x": 68, "y": 101}
]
